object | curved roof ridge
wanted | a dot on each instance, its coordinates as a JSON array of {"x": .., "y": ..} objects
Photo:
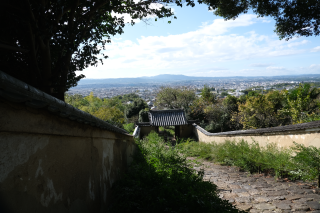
[{"x": 171, "y": 117}]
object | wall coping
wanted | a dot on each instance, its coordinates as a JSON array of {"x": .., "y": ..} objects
[
  {"x": 308, "y": 127},
  {"x": 17, "y": 91},
  {"x": 136, "y": 133}
]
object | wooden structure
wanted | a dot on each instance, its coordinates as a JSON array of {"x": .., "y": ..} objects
[{"x": 172, "y": 117}]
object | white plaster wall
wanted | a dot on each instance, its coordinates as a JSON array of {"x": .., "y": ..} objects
[
  {"x": 307, "y": 137},
  {"x": 52, "y": 164}
]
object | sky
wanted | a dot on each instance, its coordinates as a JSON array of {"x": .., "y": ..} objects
[{"x": 198, "y": 43}]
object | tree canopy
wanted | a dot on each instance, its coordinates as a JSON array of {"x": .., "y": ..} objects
[
  {"x": 255, "y": 110},
  {"x": 293, "y": 17},
  {"x": 175, "y": 98},
  {"x": 135, "y": 107},
  {"x": 109, "y": 110},
  {"x": 45, "y": 42}
]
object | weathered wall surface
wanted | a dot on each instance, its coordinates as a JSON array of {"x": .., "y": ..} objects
[
  {"x": 309, "y": 136},
  {"x": 53, "y": 164}
]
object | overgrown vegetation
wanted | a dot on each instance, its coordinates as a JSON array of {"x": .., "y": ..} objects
[
  {"x": 307, "y": 160},
  {"x": 114, "y": 110},
  {"x": 129, "y": 127},
  {"x": 160, "y": 179},
  {"x": 168, "y": 129},
  {"x": 254, "y": 110},
  {"x": 296, "y": 162}
]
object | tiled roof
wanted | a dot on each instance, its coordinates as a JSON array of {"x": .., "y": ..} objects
[
  {"x": 310, "y": 126},
  {"x": 171, "y": 117},
  {"x": 17, "y": 91}
]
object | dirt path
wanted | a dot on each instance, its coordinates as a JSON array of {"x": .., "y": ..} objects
[{"x": 258, "y": 193}]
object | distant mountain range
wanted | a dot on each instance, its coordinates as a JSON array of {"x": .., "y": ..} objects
[{"x": 167, "y": 78}]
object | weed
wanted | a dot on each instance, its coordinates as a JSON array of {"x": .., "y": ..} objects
[
  {"x": 307, "y": 162},
  {"x": 161, "y": 180},
  {"x": 129, "y": 127},
  {"x": 298, "y": 162}
]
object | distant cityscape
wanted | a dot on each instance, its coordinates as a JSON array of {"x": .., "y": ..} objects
[{"x": 147, "y": 88}]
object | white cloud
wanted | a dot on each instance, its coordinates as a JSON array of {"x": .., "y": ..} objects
[
  {"x": 316, "y": 49},
  {"x": 266, "y": 20},
  {"x": 276, "y": 68},
  {"x": 292, "y": 43},
  {"x": 195, "y": 50},
  {"x": 315, "y": 67},
  {"x": 261, "y": 65}
]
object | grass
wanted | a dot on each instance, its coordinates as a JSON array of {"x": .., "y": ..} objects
[
  {"x": 296, "y": 162},
  {"x": 160, "y": 179},
  {"x": 170, "y": 130},
  {"x": 129, "y": 127}
]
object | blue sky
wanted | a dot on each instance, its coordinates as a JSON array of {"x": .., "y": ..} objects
[{"x": 199, "y": 43}]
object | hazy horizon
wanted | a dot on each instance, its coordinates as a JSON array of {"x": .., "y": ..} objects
[{"x": 208, "y": 76}]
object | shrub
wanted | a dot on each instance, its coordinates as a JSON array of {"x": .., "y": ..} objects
[
  {"x": 307, "y": 162},
  {"x": 160, "y": 179},
  {"x": 195, "y": 149},
  {"x": 129, "y": 127},
  {"x": 249, "y": 157}
]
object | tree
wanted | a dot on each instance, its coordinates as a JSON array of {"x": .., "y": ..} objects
[
  {"x": 218, "y": 117},
  {"x": 207, "y": 95},
  {"x": 196, "y": 110},
  {"x": 231, "y": 103},
  {"x": 293, "y": 17},
  {"x": 261, "y": 111},
  {"x": 110, "y": 114},
  {"x": 224, "y": 93},
  {"x": 109, "y": 110},
  {"x": 175, "y": 98},
  {"x": 143, "y": 115},
  {"x": 45, "y": 42},
  {"x": 302, "y": 103},
  {"x": 135, "y": 107}
]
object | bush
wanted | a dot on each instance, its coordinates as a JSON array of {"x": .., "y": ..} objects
[
  {"x": 249, "y": 157},
  {"x": 129, "y": 127},
  {"x": 160, "y": 179},
  {"x": 296, "y": 162},
  {"x": 168, "y": 129},
  {"x": 307, "y": 162},
  {"x": 195, "y": 149}
]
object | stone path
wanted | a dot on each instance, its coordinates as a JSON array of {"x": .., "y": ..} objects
[{"x": 258, "y": 193}]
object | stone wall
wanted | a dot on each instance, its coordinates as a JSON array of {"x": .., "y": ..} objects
[
  {"x": 307, "y": 134},
  {"x": 55, "y": 158}
]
